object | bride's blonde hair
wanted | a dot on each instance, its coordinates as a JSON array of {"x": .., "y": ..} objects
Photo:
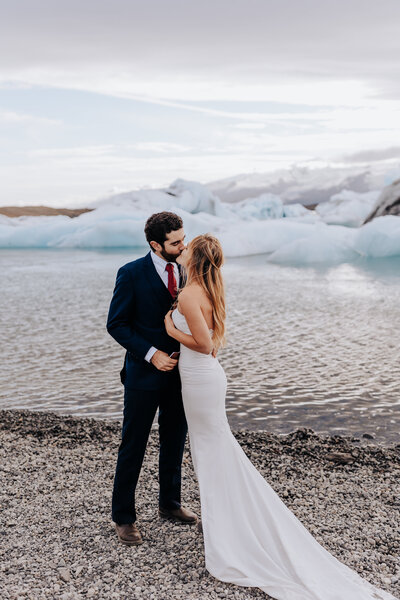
[{"x": 204, "y": 267}]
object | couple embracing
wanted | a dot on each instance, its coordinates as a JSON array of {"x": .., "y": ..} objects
[{"x": 250, "y": 537}]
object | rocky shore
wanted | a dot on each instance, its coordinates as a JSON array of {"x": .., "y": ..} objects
[{"x": 58, "y": 540}]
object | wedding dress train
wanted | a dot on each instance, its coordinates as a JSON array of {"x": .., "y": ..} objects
[{"x": 251, "y": 538}]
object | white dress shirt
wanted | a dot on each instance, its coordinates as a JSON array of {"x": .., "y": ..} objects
[{"x": 160, "y": 264}]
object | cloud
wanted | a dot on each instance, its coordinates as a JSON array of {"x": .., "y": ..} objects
[
  {"x": 160, "y": 147},
  {"x": 77, "y": 176},
  {"x": 107, "y": 150},
  {"x": 15, "y": 118},
  {"x": 217, "y": 42},
  {"x": 249, "y": 126},
  {"x": 187, "y": 89},
  {"x": 76, "y": 153},
  {"x": 373, "y": 155}
]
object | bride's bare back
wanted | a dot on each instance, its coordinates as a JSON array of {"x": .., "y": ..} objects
[{"x": 194, "y": 303}]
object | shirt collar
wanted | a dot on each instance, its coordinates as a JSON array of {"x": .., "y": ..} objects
[{"x": 161, "y": 262}]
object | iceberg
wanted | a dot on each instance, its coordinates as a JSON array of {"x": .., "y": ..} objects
[
  {"x": 287, "y": 233},
  {"x": 266, "y": 206},
  {"x": 379, "y": 238},
  {"x": 325, "y": 244},
  {"x": 190, "y": 196},
  {"x": 260, "y": 237},
  {"x": 336, "y": 244},
  {"x": 347, "y": 207}
]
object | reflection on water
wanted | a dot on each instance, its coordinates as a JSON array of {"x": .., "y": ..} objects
[{"x": 308, "y": 347}]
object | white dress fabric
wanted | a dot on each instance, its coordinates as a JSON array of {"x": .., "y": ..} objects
[{"x": 251, "y": 538}]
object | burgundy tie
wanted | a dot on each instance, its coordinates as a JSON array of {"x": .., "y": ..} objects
[{"x": 171, "y": 280}]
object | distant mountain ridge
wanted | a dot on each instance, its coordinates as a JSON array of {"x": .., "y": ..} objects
[
  {"x": 41, "y": 211},
  {"x": 305, "y": 185}
]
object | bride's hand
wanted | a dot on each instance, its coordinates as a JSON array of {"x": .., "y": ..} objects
[{"x": 169, "y": 324}]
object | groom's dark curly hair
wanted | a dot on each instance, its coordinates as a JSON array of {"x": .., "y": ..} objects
[{"x": 159, "y": 225}]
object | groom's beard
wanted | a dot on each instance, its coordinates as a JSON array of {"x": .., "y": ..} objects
[{"x": 169, "y": 257}]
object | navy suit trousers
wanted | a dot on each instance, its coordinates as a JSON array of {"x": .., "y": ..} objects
[{"x": 140, "y": 407}]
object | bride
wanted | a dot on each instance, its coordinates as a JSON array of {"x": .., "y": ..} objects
[{"x": 251, "y": 538}]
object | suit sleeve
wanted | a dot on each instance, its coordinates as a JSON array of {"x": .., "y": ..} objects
[{"x": 119, "y": 322}]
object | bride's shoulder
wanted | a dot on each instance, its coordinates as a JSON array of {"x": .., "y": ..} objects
[
  {"x": 191, "y": 293},
  {"x": 193, "y": 299},
  {"x": 192, "y": 289}
]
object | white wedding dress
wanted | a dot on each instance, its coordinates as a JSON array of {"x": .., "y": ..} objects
[{"x": 251, "y": 538}]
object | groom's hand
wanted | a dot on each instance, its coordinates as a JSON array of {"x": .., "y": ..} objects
[{"x": 162, "y": 361}]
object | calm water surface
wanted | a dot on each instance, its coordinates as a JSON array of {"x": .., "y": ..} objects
[{"x": 308, "y": 347}]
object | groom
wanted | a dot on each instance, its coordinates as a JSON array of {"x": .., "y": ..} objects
[{"x": 143, "y": 294}]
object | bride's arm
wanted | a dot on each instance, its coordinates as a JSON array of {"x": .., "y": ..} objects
[{"x": 200, "y": 340}]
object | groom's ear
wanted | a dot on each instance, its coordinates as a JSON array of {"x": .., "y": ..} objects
[{"x": 155, "y": 246}]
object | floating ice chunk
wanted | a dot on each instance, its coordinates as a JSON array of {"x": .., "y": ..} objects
[
  {"x": 265, "y": 206},
  {"x": 295, "y": 211},
  {"x": 335, "y": 244},
  {"x": 199, "y": 223},
  {"x": 326, "y": 244},
  {"x": 125, "y": 228},
  {"x": 347, "y": 208},
  {"x": 291, "y": 234},
  {"x": 33, "y": 232},
  {"x": 190, "y": 196},
  {"x": 104, "y": 234},
  {"x": 136, "y": 199},
  {"x": 380, "y": 237},
  {"x": 260, "y": 237},
  {"x": 193, "y": 197}
]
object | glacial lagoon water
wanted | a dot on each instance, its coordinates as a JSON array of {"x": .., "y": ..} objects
[{"x": 307, "y": 346}]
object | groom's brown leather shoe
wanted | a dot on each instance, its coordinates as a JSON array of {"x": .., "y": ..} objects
[
  {"x": 178, "y": 514},
  {"x": 129, "y": 534}
]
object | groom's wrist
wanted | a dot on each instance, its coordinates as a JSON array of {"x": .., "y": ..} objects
[{"x": 150, "y": 354}]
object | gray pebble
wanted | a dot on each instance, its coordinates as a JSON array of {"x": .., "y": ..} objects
[{"x": 60, "y": 470}]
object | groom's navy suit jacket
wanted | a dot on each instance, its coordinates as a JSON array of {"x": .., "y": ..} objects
[{"x": 136, "y": 321}]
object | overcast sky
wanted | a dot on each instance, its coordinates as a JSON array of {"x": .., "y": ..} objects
[{"x": 97, "y": 96}]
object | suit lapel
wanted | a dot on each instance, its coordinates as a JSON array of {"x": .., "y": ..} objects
[{"x": 156, "y": 282}]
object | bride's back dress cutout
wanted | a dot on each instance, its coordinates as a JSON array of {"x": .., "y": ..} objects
[{"x": 251, "y": 538}]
